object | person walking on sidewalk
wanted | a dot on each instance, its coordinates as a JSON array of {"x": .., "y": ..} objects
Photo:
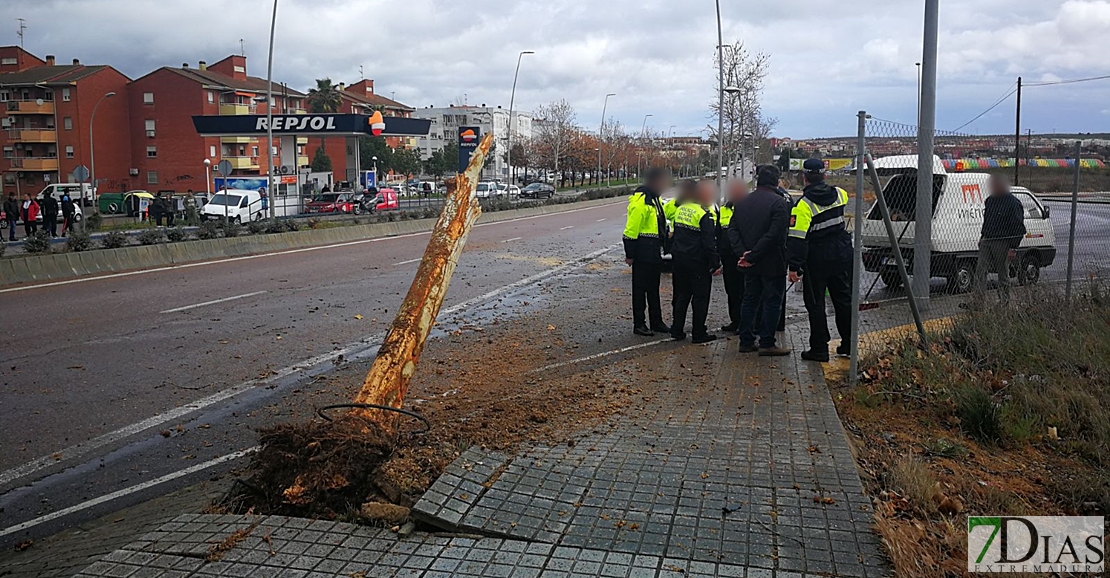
[
  {"x": 646, "y": 239},
  {"x": 50, "y": 210},
  {"x": 821, "y": 257},
  {"x": 68, "y": 212},
  {"x": 29, "y": 212},
  {"x": 694, "y": 249},
  {"x": 11, "y": 214},
  {"x": 732, "y": 275},
  {"x": 757, "y": 233},
  {"x": 1003, "y": 230}
]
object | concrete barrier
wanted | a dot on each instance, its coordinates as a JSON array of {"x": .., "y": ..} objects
[{"x": 27, "y": 269}]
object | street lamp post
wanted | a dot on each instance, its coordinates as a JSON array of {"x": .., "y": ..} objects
[
  {"x": 512, "y": 99},
  {"x": 732, "y": 91},
  {"x": 270, "y": 117},
  {"x": 92, "y": 150},
  {"x": 601, "y": 135},
  {"x": 918, "y": 92},
  {"x": 720, "y": 101}
]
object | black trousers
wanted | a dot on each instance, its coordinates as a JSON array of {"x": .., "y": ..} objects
[
  {"x": 692, "y": 285},
  {"x": 645, "y": 293},
  {"x": 50, "y": 225},
  {"x": 837, "y": 280},
  {"x": 734, "y": 287},
  {"x": 30, "y": 226}
]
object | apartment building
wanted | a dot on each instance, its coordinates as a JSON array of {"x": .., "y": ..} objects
[
  {"x": 46, "y": 114},
  {"x": 447, "y": 120},
  {"x": 360, "y": 98}
]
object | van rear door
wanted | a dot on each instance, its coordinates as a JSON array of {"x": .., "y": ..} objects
[{"x": 900, "y": 192}]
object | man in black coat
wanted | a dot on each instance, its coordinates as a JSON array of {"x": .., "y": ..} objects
[
  {"x": 11, "y": 214},
  {"x": 1003, "y": 230},
  {"x": 50, "y": 210},
  {"x": 758, "y": 235}
]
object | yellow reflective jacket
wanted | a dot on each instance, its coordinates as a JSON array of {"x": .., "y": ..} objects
[{"x": 645, "y": 229}]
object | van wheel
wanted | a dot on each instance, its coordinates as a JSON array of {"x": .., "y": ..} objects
[
  {"x": 1030, "y": 272},
  {"x": 891, "y": 278},
  {"x": 964, "y": 278}
]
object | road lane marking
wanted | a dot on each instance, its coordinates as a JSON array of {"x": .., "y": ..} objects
[
  {"x": 126, "y": 491},
  {"x": 511, "y": 240},
  {"x": 567, "y": 227},
  {"x": 87, "y": 279},
  {"x": 407, "y": 262},
  {"x": 80, "y": 449},
  {"x": 600, "y": 355},
  {"x": 213, "y": 302},
  {"x": 600, "y": 220}
]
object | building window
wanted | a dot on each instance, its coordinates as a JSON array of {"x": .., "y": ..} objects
[
  {"x": 152, "y": 177},
  {"x": 5, "y": 96},
  {"x": 211, "y": 97},
  {"x": 67, "y": 123},
  {"x": 212, "y": 151},
  {"x": 239, "y": 68},
  {"x": 65, "y": 95},
  {"x": 9, "y": 60},
  {"x": 151, "y": 152},
  {"x": 69, "y": 151},
  {"x": 148, "y": 98},
  {"x": 9, "y": 152},
  {"x": 254, "y": 151},
  {"x": 150, "y": 128}
]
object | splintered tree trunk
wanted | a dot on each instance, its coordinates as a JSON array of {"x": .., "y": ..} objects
[{"x": 388, "y": 379}]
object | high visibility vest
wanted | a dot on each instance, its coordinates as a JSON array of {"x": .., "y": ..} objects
[
  {"x": 643, "y": 217},
  {"x": 723, "y": 216},
  {"x": 689, "y": 216},
  {"x": 808, "y": 217},
  {"x": 669, "y": 209}
]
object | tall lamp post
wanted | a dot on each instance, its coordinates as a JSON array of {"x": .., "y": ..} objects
[
  {"x": 643, "y": 135},
  {"x": 512, "y": 99},
  {"x": 732, "y": 91},
  {"x": 720, "y": 101},
  {"x": 92, "y": 150},
  {"x": 601, "y": 135},
  {"x": 270, "y": 117}
]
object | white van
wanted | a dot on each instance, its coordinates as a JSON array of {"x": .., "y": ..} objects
[
  {"x": 58, "y": 191},
  {"x": 957, "y": 224},
  {"x": 238, "y": 205},
  {"x": 81, "y": 193}
]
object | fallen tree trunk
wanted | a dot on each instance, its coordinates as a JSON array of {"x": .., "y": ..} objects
[{"x": 388, "y": 379}]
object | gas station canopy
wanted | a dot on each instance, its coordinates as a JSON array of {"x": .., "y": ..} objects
[{"x": 308, "y": 125}]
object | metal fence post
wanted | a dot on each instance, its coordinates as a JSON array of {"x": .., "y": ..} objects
[
  {"x": 1071, "y": 226},
  {"x": 857, "y": 245}
]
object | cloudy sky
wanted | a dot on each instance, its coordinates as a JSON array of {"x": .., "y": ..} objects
[{"x": 828, "y": 58}]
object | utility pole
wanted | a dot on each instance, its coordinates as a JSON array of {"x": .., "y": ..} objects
[
  {"x": 22, "y": 27},
  {"x": 923, "y": 216},
  {"x": 1017, "y": 136},
  {"x": 720, "y": 104}
]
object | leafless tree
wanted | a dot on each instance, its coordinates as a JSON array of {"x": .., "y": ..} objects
[
  {"x": 744, "y": 123},
  {"x": 553, "y": 128}
]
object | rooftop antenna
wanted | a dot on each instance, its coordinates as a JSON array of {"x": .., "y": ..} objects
[
  {"x": 242, "y": 48},
  {"x": 361, "y": 74},
  {"x": 22, "y": 27},
  {"x": 393, "y": 95}
]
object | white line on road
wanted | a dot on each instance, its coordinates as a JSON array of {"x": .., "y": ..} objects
[
  {"x": 567, "y": 227},
  {"x": 112, "y": 437},
  {"x": 274, "y": 254},
  {"x": 213, "y": 302},
  {"x": 600, "y": 220},
  {"x": 407, "y": 262},
  {"x": 511, "y": 240},
  {"x": 600, "y": 355},
  {"x": 125, "y": 491}
]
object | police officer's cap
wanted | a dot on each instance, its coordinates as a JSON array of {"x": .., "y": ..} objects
[{"x": 814, "y": 166}]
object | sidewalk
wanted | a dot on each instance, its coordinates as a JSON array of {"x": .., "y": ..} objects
[{"x": 732, "y": 466}]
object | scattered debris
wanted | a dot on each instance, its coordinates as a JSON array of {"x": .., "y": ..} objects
[{"x": 217, "y": 551}]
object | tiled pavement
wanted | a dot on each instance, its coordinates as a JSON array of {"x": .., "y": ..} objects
[{"x": 734, "y": 466}]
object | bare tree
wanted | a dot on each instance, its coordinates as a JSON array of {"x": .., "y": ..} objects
[
  {"x": 553, "y": 129},
  {"x": 744, "y": 123}
]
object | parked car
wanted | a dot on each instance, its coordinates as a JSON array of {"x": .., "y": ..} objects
[
  {"x": 331, "y": 203},
  {"x": 537, "y": 191},
  {"x": 486, "y": 190},
  {"x": 238, "y": 205}
]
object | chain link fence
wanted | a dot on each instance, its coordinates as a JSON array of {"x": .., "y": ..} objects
[{"x": 1064, "y": 201}]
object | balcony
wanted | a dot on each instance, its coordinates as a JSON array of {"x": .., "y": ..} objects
[
  {"x": 235, "y": 109},
  {"x": 243, "y": 163},
  {"x": 32, "y": 135},
  {"x": 236, "y": 139},
  {"x": 39, "y": 164},
  {"x": 30, "y": 107}
]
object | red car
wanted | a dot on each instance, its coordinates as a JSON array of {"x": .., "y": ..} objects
[{"x": 333, "y": 203}]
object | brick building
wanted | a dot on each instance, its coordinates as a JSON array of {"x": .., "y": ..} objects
[
  {"x": 166, "y": 152},
  {"x": 360, "y": 98},
  {"x": 45, "y": 114}
]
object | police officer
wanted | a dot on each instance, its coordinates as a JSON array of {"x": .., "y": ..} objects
[
  {"x": 694, "y": 249},
  {"x": 820, "y": 251},
  {"x": 733, "y": 277},
  {"x": 684, "y": 195},
  {"x": 645, "y": 240}
]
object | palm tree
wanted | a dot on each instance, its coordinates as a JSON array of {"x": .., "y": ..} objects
[{"x": 325, "y": 98}]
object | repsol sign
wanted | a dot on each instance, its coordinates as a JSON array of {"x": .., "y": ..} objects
[{"x": 300, "y": 122}]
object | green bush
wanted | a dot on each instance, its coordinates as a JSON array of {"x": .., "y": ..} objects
[
  {"x": 232, "y": 229},
  {"x": 980, "y": 416},
  {"x": 257, "y": 227},
  {"x": 208, "y": 230},
  {"x": 38, "y": 242},
  {"x": 93, "y": 222},
  {"x": 176, "y": 234},
  {"x": 115, "y": 240},
  {"x": 151, "y": 237},
  {"x": 77, "y": 241}
]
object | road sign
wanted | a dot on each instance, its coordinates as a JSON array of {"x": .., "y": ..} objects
[
  {"x": 224, "y": 168},
  {"x": 81, "y": 173}
]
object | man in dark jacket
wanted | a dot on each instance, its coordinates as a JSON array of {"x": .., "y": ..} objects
[
  {"x": 50, "y": 208},
  {"x": 11, "y": 214},
  {"x": 1003, "y": 230},
  {"x": 646, "y": 239},
  {"x": 68, "y": 212},
  {"x": 733, "y": 277},
  {"x": 821, "y": 257},
  {"x": 758, "y": 235},
  {"x": 156, "y": 209},
  {"x": 694, "y": 250}
]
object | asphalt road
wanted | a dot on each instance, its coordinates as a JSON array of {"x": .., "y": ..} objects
[{"x": 84, "y": 364}]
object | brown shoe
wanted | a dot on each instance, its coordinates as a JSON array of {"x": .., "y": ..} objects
[{"x": 773, "y": 351}]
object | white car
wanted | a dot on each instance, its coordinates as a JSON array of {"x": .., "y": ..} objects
[
  {"x": 238, "y": 206},
  {"x": 487, "y": 189},
  {"x": 58, "y": 192},
  {"x": 514, "y": 191},
  {"x": 957, "y": 224}
]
